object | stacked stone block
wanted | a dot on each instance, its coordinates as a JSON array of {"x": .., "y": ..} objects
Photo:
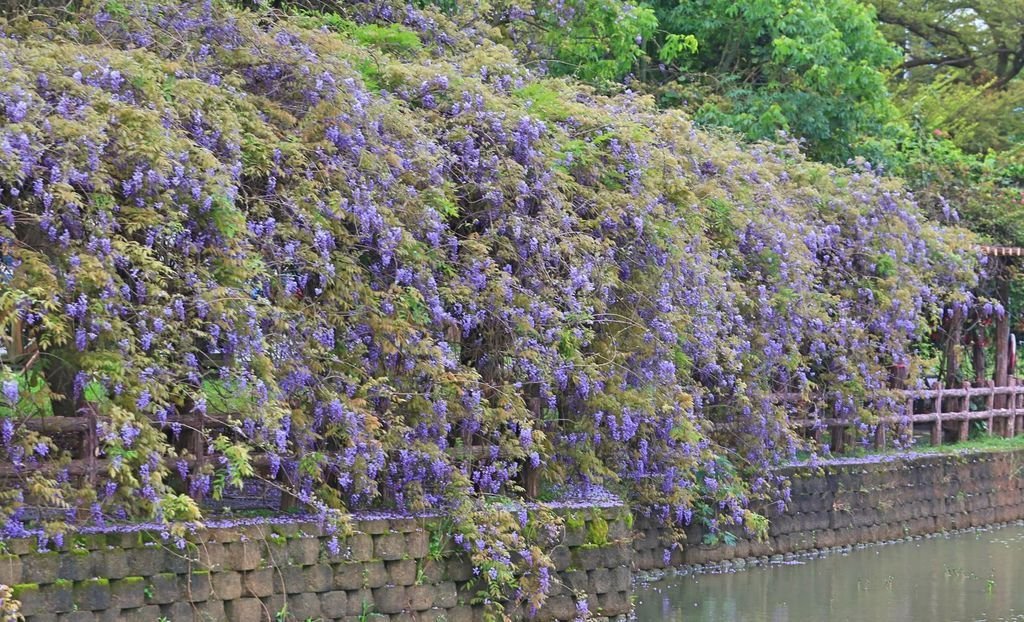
[
  {"x": 383, "y": 572},
  {"x": 843, "y": 505}
]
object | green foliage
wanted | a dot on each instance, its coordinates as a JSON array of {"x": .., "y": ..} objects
[
  {"x": 440, "y": 537},
  {"x": 410, "y": 299},
  {"x": 601, "y": 41},
  {"x": 813, "y": 69},
  {"x": 392, "y": 38},
  {"x": 977, "y": 118},
  {"x": 597, "y": 530},
  {"x": 980, "y": 36},
  {"x": 676, "y": 46}
]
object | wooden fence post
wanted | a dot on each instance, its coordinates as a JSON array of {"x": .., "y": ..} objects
[
  {"x": 195, "y": 441},
  {"x": 906, "y": 436},
  {"x": 965, "y": 423},
  {"x": 1019, "y": 419},
  {"x": 838, "y": 433},
  {"x": 90, "y": 444},
  {"x": 17, "y": 339},
  {"x": 990, "y": 404},
  {"x": 937, "y": 423},
  {"x": 1011, "y": 421}
]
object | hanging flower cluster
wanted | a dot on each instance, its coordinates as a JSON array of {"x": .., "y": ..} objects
[{"x": 409, "y": 273}]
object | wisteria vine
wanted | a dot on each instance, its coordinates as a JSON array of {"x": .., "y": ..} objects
[{"x": 413, "y": 274}]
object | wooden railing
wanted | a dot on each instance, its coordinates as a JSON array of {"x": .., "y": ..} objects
[
  {"x": 79, "y": 437},
  {"x": 947, "y": 412}
]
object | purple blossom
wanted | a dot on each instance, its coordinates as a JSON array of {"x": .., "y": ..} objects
[{"x": 9, "y": 388}]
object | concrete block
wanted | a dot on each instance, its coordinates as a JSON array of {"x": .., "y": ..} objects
[
  {"x": 92, "y": 595},
  {"x": 304, "y": 551},
  {"x": 421, "y": 597},
  {"x": 389, "y": 546},
  {"x": 128, "y": 593},
  {"x": 226, "y": 585},
  {"x": 258, "y": 583},
  {"x": 360, "y": 546},
  {"x": 402, "y": 571},
  {"x": 417, "y": 544},
  {"x": 334, "y": 604},
  {"x": 349, "y": 576},
  {"x": 245, "y": 610},
  {"x": 305, "y": 606},
  {"x": 391, "y": 599},
  {"x": 163, "y": 589}
]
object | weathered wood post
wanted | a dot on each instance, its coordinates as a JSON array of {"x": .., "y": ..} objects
[
  {"x": 937, "y": 422},
  {"x": 531, "y": 474},
  {"x": 898, "y": 382},
  {"x": 838, "y": 440},
  {"x": 965, "y": 423},
  {"x": 1011, "y": 421},
  {"x": 978, "y": 354},
  {"x": 90, "y": 444},
  {"x": 816, "y": 433},
  {"x": 990, "y": 405},
  {"x": 1018, "y": 420},
  {"x": 17, "y": 339}
]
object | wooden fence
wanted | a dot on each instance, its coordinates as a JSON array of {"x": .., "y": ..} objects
[
  {"x": 946, "y": 412},
  {"x": 942, "y": 413}
]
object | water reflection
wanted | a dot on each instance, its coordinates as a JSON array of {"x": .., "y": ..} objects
[{"x": 969, "y": 577}]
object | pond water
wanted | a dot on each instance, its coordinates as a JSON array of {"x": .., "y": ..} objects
[{"x": 975, "y": 576}]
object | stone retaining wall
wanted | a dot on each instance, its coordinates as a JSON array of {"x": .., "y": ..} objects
[
  {"x": 384, "y": 572},
  {"x": 846, "y": 504},
  {"x": 392, "y": 570}
]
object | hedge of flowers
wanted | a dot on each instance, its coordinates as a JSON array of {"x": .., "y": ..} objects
[{"x": 416, "y": 275}]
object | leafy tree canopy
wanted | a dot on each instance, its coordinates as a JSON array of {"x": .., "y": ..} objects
[
  {"x": 811, "y": 68},
  {"x": 985, "y": 37}
]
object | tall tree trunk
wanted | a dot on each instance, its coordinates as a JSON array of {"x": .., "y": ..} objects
[{"x": 978, "y": 354}]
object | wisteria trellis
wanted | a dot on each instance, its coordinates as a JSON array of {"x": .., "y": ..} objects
[{"x": 420, "y": 270}]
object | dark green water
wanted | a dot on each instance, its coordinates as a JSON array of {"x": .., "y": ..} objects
[{"x": 969, "y": 577}]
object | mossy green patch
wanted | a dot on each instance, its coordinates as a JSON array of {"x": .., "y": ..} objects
[
  {"x": 21, "y": 590},
  {"x": 597, "y": 530}
]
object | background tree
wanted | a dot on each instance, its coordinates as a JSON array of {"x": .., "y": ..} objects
[
  {"x": 813, "y": 69},
  {"x": 985, "y": 37},
  {"x": 961, "y": 99}
]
